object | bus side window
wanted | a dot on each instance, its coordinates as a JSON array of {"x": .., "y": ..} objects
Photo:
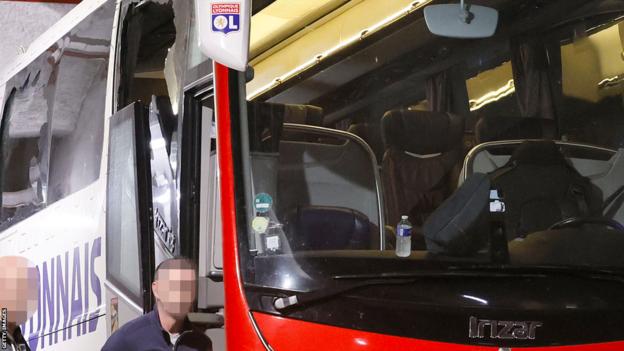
[
  {"x": 24, "y": 141},
  {"x": 53, "y": 125},
  {"x": 491, "y": 94},
  {"x": 77, "y": 119},
  {"x": 592, "y": 113}
]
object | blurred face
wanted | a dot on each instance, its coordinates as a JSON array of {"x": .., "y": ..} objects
[
  {"x": 19, "y": 288},
  {"x": 175, "y": 289}
]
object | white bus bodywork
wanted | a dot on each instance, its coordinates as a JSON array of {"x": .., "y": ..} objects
[{"x": 66, "y": 240}]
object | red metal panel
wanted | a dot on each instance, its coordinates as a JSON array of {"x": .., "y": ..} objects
[
  {"x": 240, "y": 333},
  {"x": 289, "y": 334}
]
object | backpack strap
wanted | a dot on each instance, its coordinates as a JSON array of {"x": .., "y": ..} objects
[
  {"x": 502, "y": 171},
  {"x": 613, "y": 203},
  {"x": 577, "y": 192}
]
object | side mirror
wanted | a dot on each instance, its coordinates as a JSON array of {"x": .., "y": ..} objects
[
  {"x": 461, "y": 21},
  {"x": 223, "y": 29}
]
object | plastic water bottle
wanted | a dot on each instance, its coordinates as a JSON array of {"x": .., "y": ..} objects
[{"x": 404, "y": 237}]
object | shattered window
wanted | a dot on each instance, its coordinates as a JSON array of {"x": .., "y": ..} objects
[{"x": 53, "y": 121}]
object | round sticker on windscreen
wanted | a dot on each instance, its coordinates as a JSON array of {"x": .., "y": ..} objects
[
  {"x": 263, "y": 203},
  {"x": 260, "y": 224}
]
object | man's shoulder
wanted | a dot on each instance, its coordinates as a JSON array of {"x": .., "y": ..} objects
[{"x": 129, "y": 333}]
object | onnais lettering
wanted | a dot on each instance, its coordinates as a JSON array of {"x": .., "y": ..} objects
[
  {"x": 66, "y": 311},
  {"x": 502, "y": 329}
]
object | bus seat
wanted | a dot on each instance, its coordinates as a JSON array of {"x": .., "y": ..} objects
[
  {"x": 330, "y": 228},
  {"x": 286, "y": 113},
  {"x": 303, "y": 114},
  {"x": 319, "y": 174},
  {"x": 494, "y": 128},
  {"x": 421, "y": 161},
  {"x": 312, "y": 166},
  {"x": 540, "y": 188},
  {"x": 371, "y": 134},
  {"x": 266, "y": 122},
  {"x": 289, "y": 113}
]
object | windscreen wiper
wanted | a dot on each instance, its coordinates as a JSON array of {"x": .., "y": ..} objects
[
  {"x": 357, "y": 281},
  {"x": 550, "y": 270}
]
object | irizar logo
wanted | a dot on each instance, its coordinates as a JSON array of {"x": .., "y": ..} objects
[{"x": 506, "y": 330}]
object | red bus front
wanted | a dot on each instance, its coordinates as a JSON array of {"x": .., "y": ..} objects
[{"x": 497, "y": 160}]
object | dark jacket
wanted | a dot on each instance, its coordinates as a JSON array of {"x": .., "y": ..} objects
[
  {"x": 17, "y": 341},
  {"x": 146, "y": 333}
]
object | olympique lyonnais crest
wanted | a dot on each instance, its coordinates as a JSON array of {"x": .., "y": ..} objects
[{"x": 225, "y": 17}]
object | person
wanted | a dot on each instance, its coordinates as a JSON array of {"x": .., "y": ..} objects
[
  {"x": 174, "y": 288},
  {"x": 19, "y": 299}
]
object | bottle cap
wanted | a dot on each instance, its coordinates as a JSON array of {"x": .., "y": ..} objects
[{"x": 404, "y": 217}]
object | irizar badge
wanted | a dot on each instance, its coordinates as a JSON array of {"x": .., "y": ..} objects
[{"x": 225, "y": 17}]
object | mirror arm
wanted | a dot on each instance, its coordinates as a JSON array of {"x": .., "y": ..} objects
[{"x": 464, "y": 14}]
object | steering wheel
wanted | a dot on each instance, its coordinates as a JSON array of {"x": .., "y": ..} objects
[{"x": 579, "y": 221}]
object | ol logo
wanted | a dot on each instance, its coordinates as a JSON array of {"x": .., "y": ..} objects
[{"x": 225, "y": 17}]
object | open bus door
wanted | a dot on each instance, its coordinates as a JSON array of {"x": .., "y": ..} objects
[
  {"x": 129, "y": 217},
  {"x": 168, "y": 161}
]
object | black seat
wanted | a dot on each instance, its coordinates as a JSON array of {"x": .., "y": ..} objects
[
  {"x": 371, "y": 134},
  {"x": 330, "y": 228},
  {"x": 540, "y": 188},
  {"x": 421, "y": 162},
  {"x": 493, "y": 128}
]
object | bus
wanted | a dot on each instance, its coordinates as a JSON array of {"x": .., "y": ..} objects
[
  {"x": 489, "y": 133},
  {"x": 491, "y": 130},
  {"x": 100, "y": 174}
]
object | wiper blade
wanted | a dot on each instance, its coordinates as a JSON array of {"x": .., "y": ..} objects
[
  {"x": 366, "y": 280},
  {"x": 547, "y": 270},
  {"x": 475, "y": 271},
  {"x": 306, "y": 298},
  {"x": 447, "y": 272}
]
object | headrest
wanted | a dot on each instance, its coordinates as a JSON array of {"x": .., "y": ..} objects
[
  {"x": 266, "y": 121},
  {"x": 303, "y": 114},
  {"x": 359, "y": 129},
  {"x": 329, "y": 228},
  {"x": 540, "y": 153},
  {"x": 422, "y": 132},
  {"x": 493, "y": 128}
]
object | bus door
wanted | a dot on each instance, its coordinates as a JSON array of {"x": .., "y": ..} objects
[
  {"x": 200, "y": 209},
  {"x": 129, "y": 217},
  {"x": 159, "y": 63}
]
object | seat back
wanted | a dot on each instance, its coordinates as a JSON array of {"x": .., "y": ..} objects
[
  {"x": 371, "y": 134},
  {"x": 421, "y": 161},
  {"x": 302, "y": 166},
  {"x": 319, "y": 174},
  {"x": 330, "y": 228},
  {"x": 540, "y": 188}
]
